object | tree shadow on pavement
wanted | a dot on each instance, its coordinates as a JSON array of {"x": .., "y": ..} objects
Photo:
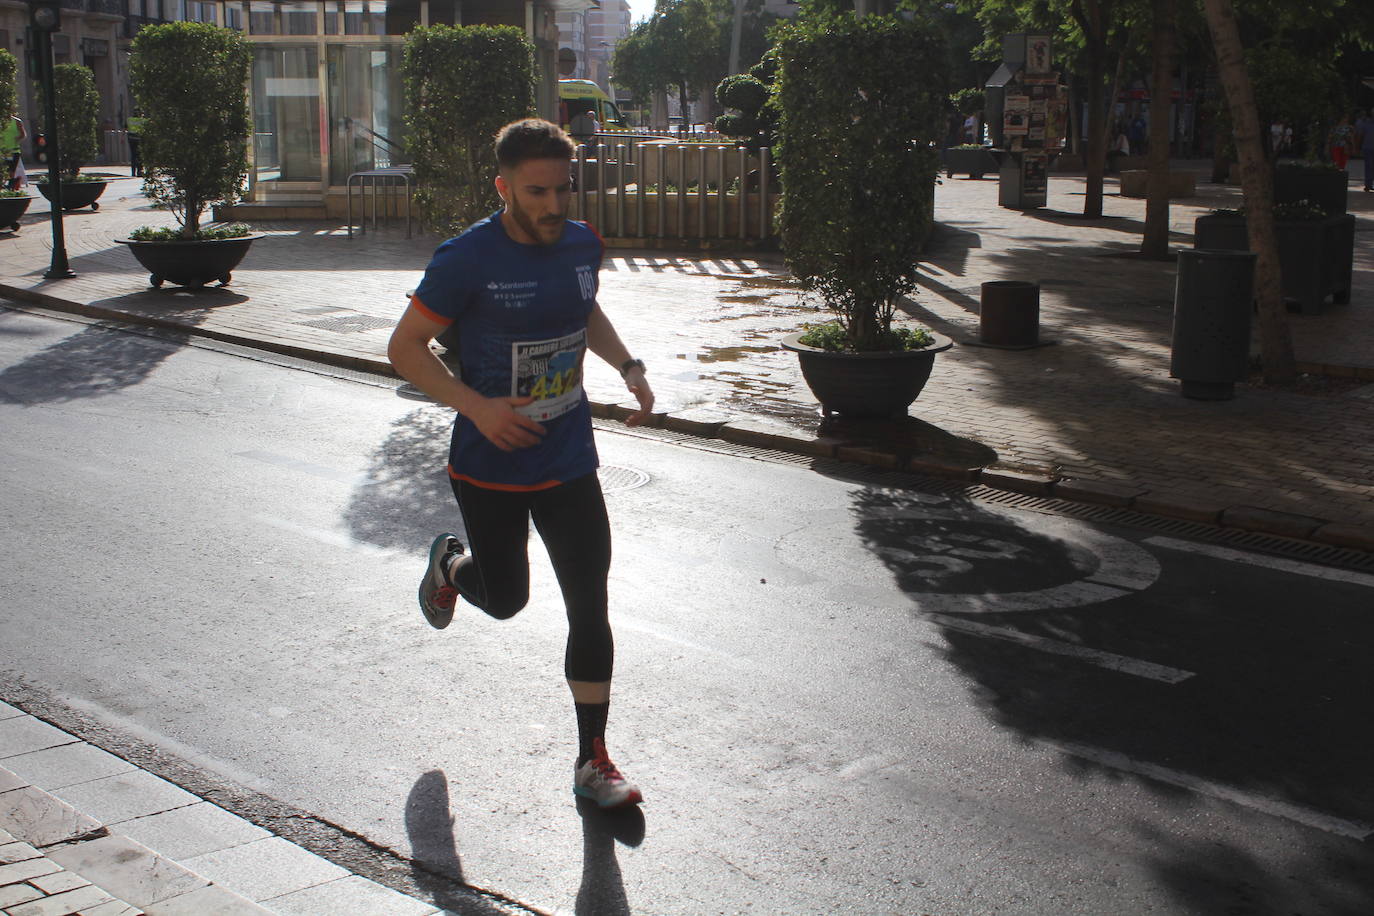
[
  {"x": 92, "y": 362},
  {"x": 1266, "y": 708},
  {"x": 406, "y": 499},
  {"x": 435, "y": 863},
  {"x": 602, "y": 892}
]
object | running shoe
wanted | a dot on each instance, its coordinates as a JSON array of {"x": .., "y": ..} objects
[
  {"x": 599, "y": 780},
  {"x": 437, "y": 594}
]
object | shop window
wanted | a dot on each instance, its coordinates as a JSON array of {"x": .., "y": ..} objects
[{"x": 292, "y": 18}]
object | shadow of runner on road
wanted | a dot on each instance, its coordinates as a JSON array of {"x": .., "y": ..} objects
[
  {"x": 435, "y": 863},
  {"x": 1264, "y": 727},
  {"x": 602, "y": 892}
]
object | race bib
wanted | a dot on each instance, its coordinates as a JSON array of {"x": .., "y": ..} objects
[{"x": 550, "y": 371}]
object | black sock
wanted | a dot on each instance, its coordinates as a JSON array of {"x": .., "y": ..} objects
[{"x": 591, "y": 724}]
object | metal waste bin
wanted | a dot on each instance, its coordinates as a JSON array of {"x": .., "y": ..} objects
[
  {"x": 1009, "y": 313},
  {"x": 1213, "y": 302}
]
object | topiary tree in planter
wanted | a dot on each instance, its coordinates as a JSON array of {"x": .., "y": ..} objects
[
  {"x": 462, "y": 85},
  {"x": 754, "y": 120},
  {"x": 9, "y": 84},
  {"x": 77, "y": 103},
  {"x": 860, "y": 110},
  {"x": 188, "y": 79}
]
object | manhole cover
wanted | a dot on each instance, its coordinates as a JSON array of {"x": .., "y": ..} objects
[
  {"x": 350, "y": 324},
  {"x": 615, "y": 479}
]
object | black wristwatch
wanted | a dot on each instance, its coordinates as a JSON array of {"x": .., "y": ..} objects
[{"x": 630, "y": 364}]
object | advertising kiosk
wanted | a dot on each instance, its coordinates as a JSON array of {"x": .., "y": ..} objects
[{"x": 1027, "y": 113}]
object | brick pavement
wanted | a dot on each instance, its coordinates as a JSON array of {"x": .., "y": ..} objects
[
  {"x": 151, "y": 847},
  {"x": 1095, "y": 414}
]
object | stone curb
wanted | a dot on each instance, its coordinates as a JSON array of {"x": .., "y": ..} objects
[{"x": 759, "y": 435}]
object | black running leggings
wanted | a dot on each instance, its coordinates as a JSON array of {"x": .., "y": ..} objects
[{"x": 571, "y": 520}]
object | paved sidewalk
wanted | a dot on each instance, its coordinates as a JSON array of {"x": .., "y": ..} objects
[
  {"x": 150, "y": 847},
  {"x": 1094, "y": 417}
]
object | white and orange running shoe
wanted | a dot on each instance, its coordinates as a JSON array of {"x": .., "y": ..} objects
[{"x": 599, "y": 780}]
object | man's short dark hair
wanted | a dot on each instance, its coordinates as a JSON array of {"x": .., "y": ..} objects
[{"x": 532, "y": 138}]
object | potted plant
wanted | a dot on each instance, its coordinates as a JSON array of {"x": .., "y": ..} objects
[
  {"x": 77, "y": 103},
  {"x": 1316, "y": 249},
  {"x": 188, "y": 79},
  {"x": 858, "y": 172},
  {"x": 12, "y": 203}
]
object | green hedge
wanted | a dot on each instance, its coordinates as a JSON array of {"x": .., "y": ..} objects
[
  {"x": 78, "y": 115},
  {"x": 462, "y": 85},
  {"x": 861, "y": 102},
  {"x": 189, "y": 80}
]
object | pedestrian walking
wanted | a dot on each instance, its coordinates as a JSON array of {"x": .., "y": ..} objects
[
  {"x": 1364, "y": 127},
  {"x": 134, "y": 134},
  {"x": 520, "y": 287},
  {"x": 12, "y": 136},
  {"x": 1341, "y": 141}
]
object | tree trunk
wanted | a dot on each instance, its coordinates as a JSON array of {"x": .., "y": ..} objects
[
  {"x": 1276, "y": 342},
  {"x": 1155, "y": 243},
  {"x": 1088, "y": 13}
]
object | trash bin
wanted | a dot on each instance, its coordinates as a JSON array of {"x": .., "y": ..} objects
[
  {"x": 1212, "y": 305},
  {"x": 1009, "y": 313}
]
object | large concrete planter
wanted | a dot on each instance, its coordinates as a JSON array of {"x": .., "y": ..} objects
[
  {"x": 974, "y": 163},
  {"x": 1316, "y": 257},
  {"x": 11, "y": 209},
  {"x": 191, "y": 263},
  {"x": 75, "y": 194},
  {"x": 878, "y": 384}
]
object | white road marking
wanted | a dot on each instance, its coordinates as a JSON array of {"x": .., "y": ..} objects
[
  {"x": 1293, "y": 566},
  {"x": 1109, "y": 660},
  {"x": 1309, "y": 817}
]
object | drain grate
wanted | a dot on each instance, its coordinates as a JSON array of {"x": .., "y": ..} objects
[
  {"x": 350, "y": 324},
  {"x": 616, "y": 479}
]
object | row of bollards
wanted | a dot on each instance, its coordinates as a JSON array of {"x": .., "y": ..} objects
[{"x": 1213, "y": 301}]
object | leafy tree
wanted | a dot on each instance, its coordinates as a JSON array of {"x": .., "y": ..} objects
[
  {"x": 462, "y": 85},
  {"x": 188, "y": 79},
  {"x": 9, "y": 83},
  {"x": 854, "y": 147},
  {"x": 685, "y": 45},
  {"x": 77, "y": 103},
  {"x": 748, "y": 93}
]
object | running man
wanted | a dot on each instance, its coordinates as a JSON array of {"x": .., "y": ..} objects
[{"x": 520, "y": 286}]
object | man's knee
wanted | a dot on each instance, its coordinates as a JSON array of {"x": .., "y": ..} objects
[{"x": 504, "y": 607}]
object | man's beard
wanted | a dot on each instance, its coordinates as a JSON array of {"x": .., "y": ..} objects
[{"x": 541, "y": 231}]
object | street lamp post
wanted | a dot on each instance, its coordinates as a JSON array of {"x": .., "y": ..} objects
[{"x": 45, "y": 17}]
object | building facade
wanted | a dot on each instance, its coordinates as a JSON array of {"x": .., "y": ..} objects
[
  {"x": 591, "y": 35},
  {"x": 325, "y": 91}
]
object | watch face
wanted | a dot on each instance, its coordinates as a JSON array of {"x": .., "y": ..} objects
[{"x": 45, "y": 17}]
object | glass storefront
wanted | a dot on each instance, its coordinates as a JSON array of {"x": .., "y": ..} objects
[
  {"x": 365, "y": 94},
  {"x": 326, "y": 89},
  {"x": 348, "y": 113},
  {"x": 286, "y": 120}
]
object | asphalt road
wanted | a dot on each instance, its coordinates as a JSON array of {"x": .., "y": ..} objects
[{"x": 839, "y": 696}]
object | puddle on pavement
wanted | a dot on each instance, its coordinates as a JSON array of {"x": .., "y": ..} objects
[{"x": 724, "y": 354}]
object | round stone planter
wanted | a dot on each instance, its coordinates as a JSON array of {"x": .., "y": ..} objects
[
  {"x": 76, "y": 194},
  {"x": 11, "y": 209},
  {"x": 875, "y": 384},
  {"x": 191, "y": 263}
]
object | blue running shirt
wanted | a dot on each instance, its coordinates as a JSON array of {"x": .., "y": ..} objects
[{"x": 521, "y": 316}]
